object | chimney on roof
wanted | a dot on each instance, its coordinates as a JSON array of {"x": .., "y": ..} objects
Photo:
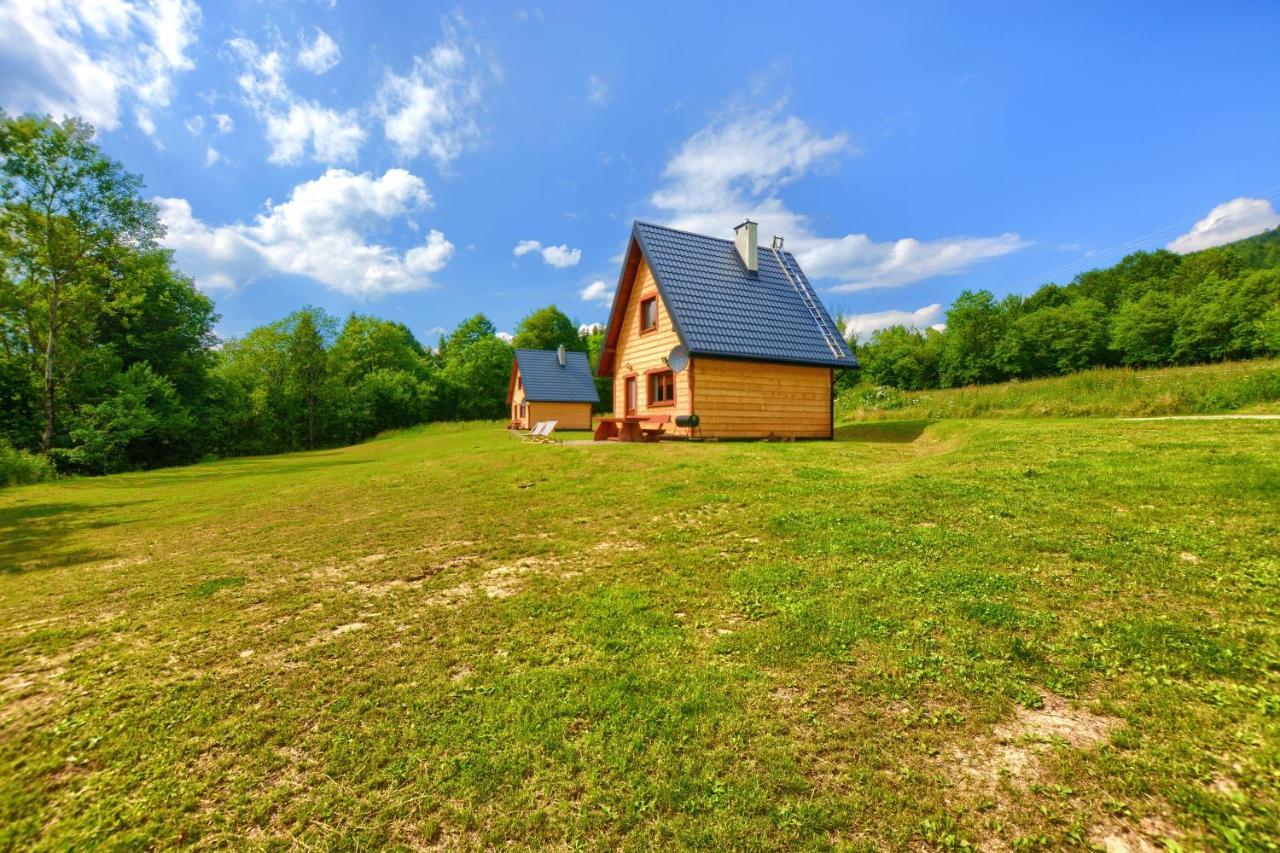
[
  {"x": 560, "y": 355},
  {"x": 744, "y": 236}
]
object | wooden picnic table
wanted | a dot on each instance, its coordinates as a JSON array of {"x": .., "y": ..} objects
[{"x": 631, "y": 428}]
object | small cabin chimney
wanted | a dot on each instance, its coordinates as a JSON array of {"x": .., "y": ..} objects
[
  {"x": 560, "y": 355},
  {"x": 744, "y": 236}
]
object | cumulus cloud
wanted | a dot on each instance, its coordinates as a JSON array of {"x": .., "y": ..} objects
[
  {"x": 224, "y": 122},
  {"x": 211, "y": 156},
  {"x": 559, "y": 257},
  {"x": 1228, "y": 222},
  {"x": 429, "y": 109},
  {"x": 296, "y": 128},
  {"x": 597, "y": 291},
  {"x": 861, "y": 326},
  {"x": 194, "y": 125},
  {"x": 321, "y": 232},
  {"x": 90, "y": 58},
  {"x": 507, "y": 337},
  {"x": 321, "y": 54},
  {"x": 737, "y": 166}
]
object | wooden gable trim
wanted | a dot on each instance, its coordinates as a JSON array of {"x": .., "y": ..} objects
[
  {"x": 622, "y": 297},
  {"x": 511, "y": 382}
]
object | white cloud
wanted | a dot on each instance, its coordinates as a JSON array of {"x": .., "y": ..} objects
[
  {"x": 862, "y": 326},
  {"x": 559, "y": 257},
  {"x": 429, "y": 109},
  {"x": 321, "y": 232},
  {"x": 224, "y": 122},
  {"x": 598, "y": 90},
  {"x": 736, "y": 167},
  {"x": 597, "y": 291},
  {"x": 295, "y": 127},
  {"x": 1228, "y": 222},
  {"x": 504, "y": 336},
  {"x": 865, "y": 264},
  {"x": 589, "y": 329},
  {"x": 86, "y": 57},
  {"x": 211, "y": 156},
  {"x": 321, "y": 55},
  {"x": 194, "y": 125}
]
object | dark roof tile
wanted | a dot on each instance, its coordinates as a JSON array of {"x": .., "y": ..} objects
[
  {"x": 721, "y": 309},
  {"x": 545, "y": 381}
]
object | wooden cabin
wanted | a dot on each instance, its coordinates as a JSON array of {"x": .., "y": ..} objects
[
  {"x": 725, "y": 330},
  {"x": 551, "y": 385}
]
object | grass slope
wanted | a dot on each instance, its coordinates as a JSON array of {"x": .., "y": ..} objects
[
  {"x": 1252, "y": 386},
  {"x": 1046, "y": 632}
]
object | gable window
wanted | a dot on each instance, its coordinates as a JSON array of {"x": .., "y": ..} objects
[
  {"x": 662, "y": 388},
  {"x": 648, "y": 313}
]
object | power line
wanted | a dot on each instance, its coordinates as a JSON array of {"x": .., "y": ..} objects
[{"x": 1098, "y": 259}]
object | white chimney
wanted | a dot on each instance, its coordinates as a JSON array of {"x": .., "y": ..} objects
[
  {"x": 745, "y": 238},
  {"x": 560, "y": 355}
]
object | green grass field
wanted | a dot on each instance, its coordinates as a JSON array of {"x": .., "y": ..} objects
[
  {"x": 1044, "y": 633},
  {"x": 1252, "y": 386}
]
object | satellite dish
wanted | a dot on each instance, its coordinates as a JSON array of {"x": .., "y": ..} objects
[{"x": 678, "y": 360}]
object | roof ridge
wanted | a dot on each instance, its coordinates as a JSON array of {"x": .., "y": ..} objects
[
  {"x": 682, "y": 231},
  {"x": 785, "y": 251}
]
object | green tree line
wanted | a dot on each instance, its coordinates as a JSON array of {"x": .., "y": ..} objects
[
  {"x": 1150, "y": 309},
  {"x": 108, "y": 357}
]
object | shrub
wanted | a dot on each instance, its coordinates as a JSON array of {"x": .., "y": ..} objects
[{"x": 18, "y": 467}]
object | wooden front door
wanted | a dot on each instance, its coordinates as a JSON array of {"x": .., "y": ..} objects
[{"x": 631, "y": 395}]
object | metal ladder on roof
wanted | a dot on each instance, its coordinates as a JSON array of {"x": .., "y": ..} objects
[{"x": 819, "y": 317}]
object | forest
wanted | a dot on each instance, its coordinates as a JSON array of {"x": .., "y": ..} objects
[
  {"x": 1152, "y": 309},
  {"x": 109, "y": 360},
  {"x": 108, "y": 356}
]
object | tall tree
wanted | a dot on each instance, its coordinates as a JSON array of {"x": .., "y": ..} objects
[
  {"x": 69, "y": 214},
  {"x": 308, "y": 360},
  {"x": 548, "y": 328}
]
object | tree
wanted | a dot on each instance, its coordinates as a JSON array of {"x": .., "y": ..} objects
[
  {"x": 604, "y": 384},
  {"x": 1142, "y": 331},
  {"x": 69, "y": 214},
  {"x": 902, "y": 357},
  {"x": 975, "y": 324},
  {"x": 366, "y": 344},
  {"x": 142, "y": 424},
  {"x": 548, "y": 328},
  {"x": 476, "y": 370},
  {"x": 308, "y": 361}
]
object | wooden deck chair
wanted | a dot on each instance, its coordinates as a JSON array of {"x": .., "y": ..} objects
[
  {"x": 549, "y": 433},
  {"x": 535, "y": 434}
]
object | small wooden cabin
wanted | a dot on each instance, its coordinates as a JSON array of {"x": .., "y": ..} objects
[
  {"x": 725, "y": 330},
  {"x": 551, "y": 385}
]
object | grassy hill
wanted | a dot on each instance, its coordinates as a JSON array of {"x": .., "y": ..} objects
[
  {"x": 1233, "y": 386},
  {"x": 922, "y": 635}
]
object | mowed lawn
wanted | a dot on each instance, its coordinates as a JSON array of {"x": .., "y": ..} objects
[{"x": 1044, "y": 632}]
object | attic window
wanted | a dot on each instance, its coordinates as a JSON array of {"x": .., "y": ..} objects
[
  {"x": 662, "y": 388},
  {"x": 648, "y": 313}
]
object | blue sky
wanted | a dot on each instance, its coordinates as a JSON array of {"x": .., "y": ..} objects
[{"x": 426, "y": 161}]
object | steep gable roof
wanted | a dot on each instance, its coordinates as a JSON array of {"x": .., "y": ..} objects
[
  {"x": 720, "y": 309},
  {"x": 545, "y": 381}
]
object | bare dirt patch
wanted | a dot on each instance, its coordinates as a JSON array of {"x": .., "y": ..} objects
[
  {"x": 1147, "y": 837},
  {"x": 1014, "y": 750},
  {"x": 32, "y": 687}
]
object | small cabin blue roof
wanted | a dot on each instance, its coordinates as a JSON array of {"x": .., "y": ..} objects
[
  {"x": 719, "y": 308},
  {"x": 545, "y": 381}
]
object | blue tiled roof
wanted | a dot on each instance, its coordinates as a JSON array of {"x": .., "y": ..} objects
[
  {"x": 545, "y": 381},
  {"x": 720, "y": 309}
]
